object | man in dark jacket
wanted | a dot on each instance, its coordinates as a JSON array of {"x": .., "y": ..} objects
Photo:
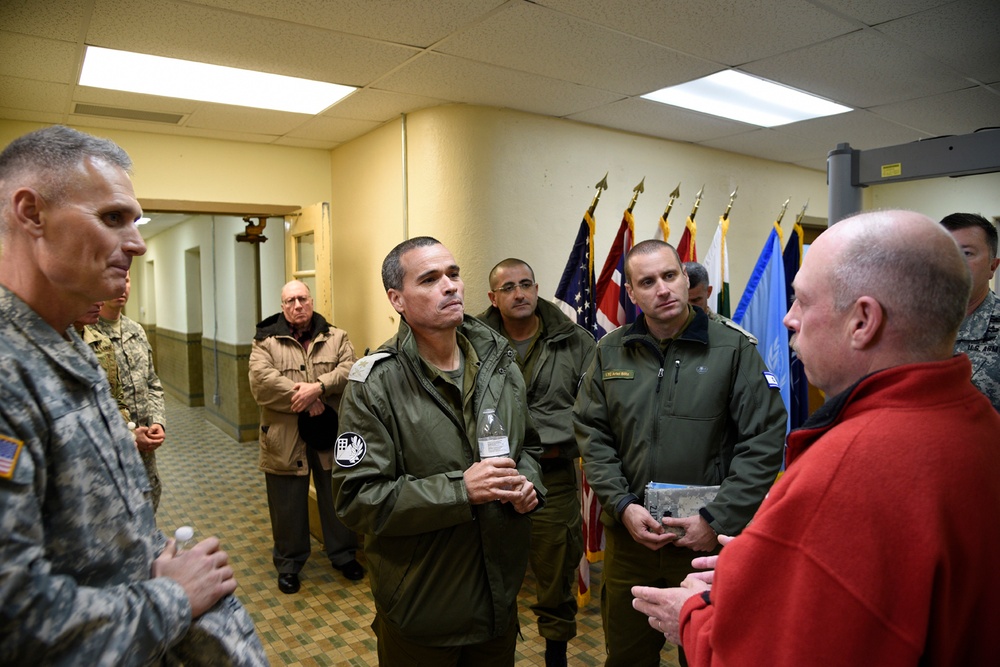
[
  {"x": 446, "y": 531},
  {"x": 673, "y": 398},
  {"x": 298, "y": 371},
  {"x": 552, "y": 353}
]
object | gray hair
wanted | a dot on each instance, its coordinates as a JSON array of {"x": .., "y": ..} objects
[
  {"x": 392, "y": 266},
  {"x": 923, "y": 287},
  {"x": 697, "y": 274},
  {"x": 45, "y": 159}
]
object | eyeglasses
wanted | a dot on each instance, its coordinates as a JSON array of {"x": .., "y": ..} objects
[
  {"x": 525, "y": 285},
  {"x": 296, "y": 299}
]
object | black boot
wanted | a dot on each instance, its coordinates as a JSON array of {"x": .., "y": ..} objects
[{"x": 555, "y": 653}]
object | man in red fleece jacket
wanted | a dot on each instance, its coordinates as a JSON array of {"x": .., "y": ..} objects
[{"x": 878, "y": 546}]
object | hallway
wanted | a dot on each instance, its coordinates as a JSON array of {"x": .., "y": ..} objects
[{"x": 212, "y": 483}]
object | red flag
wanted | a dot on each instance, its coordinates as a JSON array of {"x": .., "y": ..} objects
[
  {"x": 686, "y": 248},
  {"x": 614, "y": 308}
]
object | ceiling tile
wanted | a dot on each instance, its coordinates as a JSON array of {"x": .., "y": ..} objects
[
  {"x": 772, "y": 145},
  {"x": 860, "y": 70},
  {"x": 861, "y": 129},
  {"x": 958, "y": 112},
  {"x": 59, "y": 21},
  {"x": 29, "y": 95},
  {"x": 332, "y": 129},
  {"x": 415, "y": 22},
  {"x": 872, "y": 13},
  {"x": 379, "y": 105},
  {"x": 660, "y": 120},
  {"x": 244, "y": 119},
  {"x": 203, "y": 34},
  {"x": 534, "y": 39},
  {"x": 29, "y": 57},
  {"x": 730, "y": 33},
  {"x": 476, "y": 83},
  {"x": 964, "y": 34}
]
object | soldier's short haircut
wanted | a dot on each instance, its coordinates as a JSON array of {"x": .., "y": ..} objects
[
  {"x": 646, "y": 248},
  {"x": 45, "y": 159},
  {"x": 392, "y": 266},
  {"x": 509, "y": 263},
  {"x": 967, "y": 220},
  {"x": 697, "y": 274}
]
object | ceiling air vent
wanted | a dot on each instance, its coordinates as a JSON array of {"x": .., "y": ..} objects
[{"x": 130, "y": 114}]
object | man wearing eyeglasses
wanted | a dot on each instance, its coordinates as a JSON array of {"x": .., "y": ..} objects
[
  {"x": 552, "y": 352},
  {"x": 298, "y": 370}
]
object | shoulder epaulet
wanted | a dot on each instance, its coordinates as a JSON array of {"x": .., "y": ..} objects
[
  {"x": 363, "y": 366},
  {"x": 735, "y": 327}
]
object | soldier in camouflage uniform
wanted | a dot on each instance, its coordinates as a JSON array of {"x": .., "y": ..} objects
[
  {"x": 104, "y": 350},
  {"x": 979, "y": 335},
  {"x": 85, "y": 576},
  {"x": 143, "y": 391}
]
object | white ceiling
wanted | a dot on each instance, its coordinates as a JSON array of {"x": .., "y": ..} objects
[{"x": 911, "y": 69}]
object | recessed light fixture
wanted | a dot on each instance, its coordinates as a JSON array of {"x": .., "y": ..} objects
[
  {"x": 169, "y": 77},
  {"x": 746, "y": 98},
  {"x": 143, "y": 220}
]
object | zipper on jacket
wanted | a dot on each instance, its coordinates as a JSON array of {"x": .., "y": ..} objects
[
  {"x": 677, "y": 370},
  {"x": 659, "y": 378}
]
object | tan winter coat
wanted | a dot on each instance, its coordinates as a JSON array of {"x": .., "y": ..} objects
[{"x": 277, "y": 362}]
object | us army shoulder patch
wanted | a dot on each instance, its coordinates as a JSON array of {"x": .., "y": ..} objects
[
  {"x": 613, "y": 374},
  {"x": 10, "y": 449},
  {"x": 350, "y": 450},
  {"x": 363, "y": 366},
  {"x": 772, "y": 381}
]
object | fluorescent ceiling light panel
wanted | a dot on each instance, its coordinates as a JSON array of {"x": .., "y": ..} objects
[
  {"x": 169, "y": 77},
  {"x": 746, "y": 98}
]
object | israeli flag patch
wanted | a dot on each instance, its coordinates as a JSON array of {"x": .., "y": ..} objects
[
  {"x": 350, "y": 449},
  {"x": 772, "y": 381}
]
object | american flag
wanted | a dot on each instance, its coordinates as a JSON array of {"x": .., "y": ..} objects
[
  {"x": 575, "y": 295},
  {"x": 9, "y": 451}
]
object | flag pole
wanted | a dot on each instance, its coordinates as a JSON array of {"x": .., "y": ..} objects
[
  {"x": 602, "y": 185},
  {"x": 664, "y": 223},
  {"x": 781, "y": 215},
  {"x": 635, "y": 193},
  {"x": 802, "y": 213},
  {"x": 697, "y": 203},
  {"x": 732, "y": 198}
]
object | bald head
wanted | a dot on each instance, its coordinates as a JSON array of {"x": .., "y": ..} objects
[{"x": 911, "y": 266}]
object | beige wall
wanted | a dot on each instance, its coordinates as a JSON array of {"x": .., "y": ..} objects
[
  {"x": 493, "y": 183},
  {"x": 195, "y": 169}
]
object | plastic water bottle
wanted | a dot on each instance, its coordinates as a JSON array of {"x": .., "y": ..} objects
[
  {"x": 492, "y": 435},
  {"x": 131, "y": 429},
  {"x": 183, "y": 536}
]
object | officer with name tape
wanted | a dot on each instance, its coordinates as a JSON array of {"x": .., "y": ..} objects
[
  {"x": 673, "y": 397},
  {"x": 446, "y": 527}
]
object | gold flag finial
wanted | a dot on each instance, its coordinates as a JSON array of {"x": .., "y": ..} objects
[
  {"x": 670, "y": 204},
  {"x": 697, "y": 202},
  {"x": 784, "y": 207},
  {"x": 729, "y": 206},
  {"x": 601, "y": 185},
  {"x": 802, "y": 213},
  {"x": 635, "y": 193}
]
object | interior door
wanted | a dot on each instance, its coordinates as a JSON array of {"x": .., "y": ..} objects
[{"x": 308, "y": 255}]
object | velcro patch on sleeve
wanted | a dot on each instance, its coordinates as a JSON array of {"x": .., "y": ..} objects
[
  {"x": 10, "y": 450},
  {"x": 351, "y": 449},
  {"x": 363, "y": 366},
  {"x": 772, "y": 381}
]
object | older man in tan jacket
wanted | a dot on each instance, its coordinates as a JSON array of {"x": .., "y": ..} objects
[{"x": 298, "y": 370}]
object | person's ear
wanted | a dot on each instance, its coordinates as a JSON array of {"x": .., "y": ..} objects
[
  {"x": 28, "y": 208},
  {"x": 396, "y": 299},
  {"x": 628, "y": 289},
  {"x": 866, "y": 322},
  {"x": 493, "y": 299}
]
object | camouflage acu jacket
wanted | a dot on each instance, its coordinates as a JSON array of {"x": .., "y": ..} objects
[
  {"x": 979, "y": 337},
  {"x": 142, "y": 388}
]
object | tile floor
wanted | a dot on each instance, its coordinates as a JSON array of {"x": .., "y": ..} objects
[{"x": 212, "y": 483}]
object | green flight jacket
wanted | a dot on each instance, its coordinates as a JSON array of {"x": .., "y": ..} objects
[
  {"x": 443, "y": 572},
  {"x": 565, "y": 350},
  {"x": 702, "y": 413}
]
